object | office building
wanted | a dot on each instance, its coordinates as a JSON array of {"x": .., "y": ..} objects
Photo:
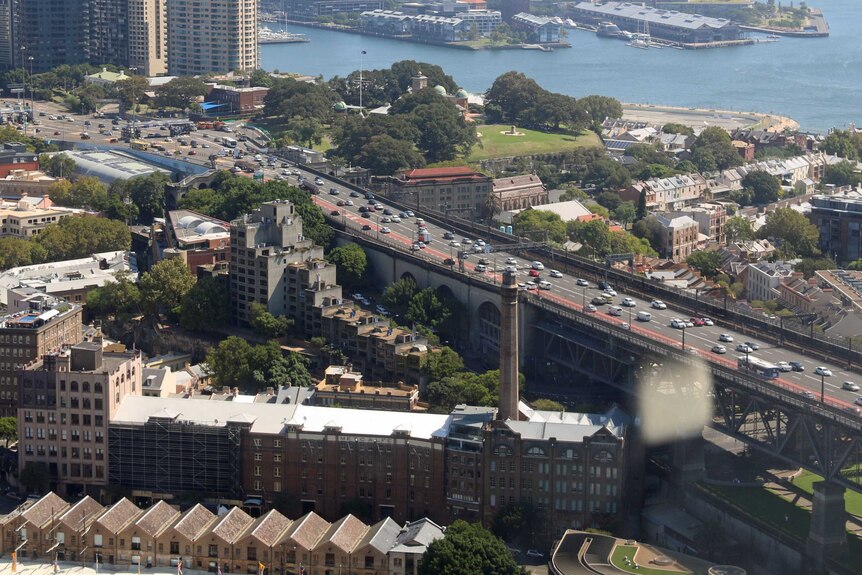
[
  {"x": 67, "y": 399},
  {"x": 212, "y": 36},
  {"x": 50, "y": 32},
  {"x": 839, "y": 219},
  {"x": 148, "y": 37},
  {"x": 108, "y": 32},
  {"x": 7, "y": 31},
  {"x": 25, "y": 336},
  {"x": 459, "y": 190},
  {"x": 274, "y": 264}
]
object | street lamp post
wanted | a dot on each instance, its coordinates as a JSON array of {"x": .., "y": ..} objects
[
  {"x": 32, "y": 98},
  {"x": 822, "y": 386},
  {"x": 683, "y": 338}
]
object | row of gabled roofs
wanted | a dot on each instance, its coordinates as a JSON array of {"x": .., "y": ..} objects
[{"x": 308, "y": 532}]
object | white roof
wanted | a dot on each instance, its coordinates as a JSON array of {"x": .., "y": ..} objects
[{"x": 570, "y": 210}]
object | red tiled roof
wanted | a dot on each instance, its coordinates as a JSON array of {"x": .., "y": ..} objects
[{"x": 458, "y": 171}]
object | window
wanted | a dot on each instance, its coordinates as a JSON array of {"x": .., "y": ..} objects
[
  {"x": 136, "y": 543},
  {"x": 97, "y": 538},
  {"x": 175, "y": 547},
  {"x": 213, "y": 550},
  {"x": 251, "y": 554},
  {"x": 329, "y": 559}
]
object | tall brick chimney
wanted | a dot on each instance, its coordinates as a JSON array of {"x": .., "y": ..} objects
[{"x": 508, "y": 407}]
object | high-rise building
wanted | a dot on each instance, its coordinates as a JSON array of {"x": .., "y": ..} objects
[
  {"x": 148, "y": 36},
  {"x": 27, "y": 335},
  {"x": 274, "y": 264},
  {"x": 50, "y": 32},
  {"x": 212, "y": 36},
  {"x": 7, "y": 19},
  {"x": 67, "y": 400},
  {"x": 108, "y": 32}
]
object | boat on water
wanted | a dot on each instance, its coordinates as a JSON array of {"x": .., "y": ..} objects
[
  {"x": 774, "y": 36},
  {"x": 642, "y": 41},
  {"x": 536, "y": 47},
  {"x": 608, "y": 30},
  {"x": 267, "y": 36}
]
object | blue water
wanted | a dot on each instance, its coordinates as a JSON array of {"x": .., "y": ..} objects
[{"x": 817, "y": 81}]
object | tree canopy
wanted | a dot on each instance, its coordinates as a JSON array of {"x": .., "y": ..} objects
[
  {"x": 765, "y": 188},
  {"x": 236, "y": 363},
  {"x": 352, "y": 265},
  {"x": 842, "y": 174},
  {"x": 713, "y": 150},
  {"x": 81, "y": 236},
  {"x": 468, "y": 549},
  {"x": 706, "y": 262},
  {"x": 792, "y": 232},
  {"x": 180, "y": 92},
  {"x": 165, "y": 285}
]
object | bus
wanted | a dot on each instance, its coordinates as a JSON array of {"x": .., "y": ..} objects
[
  {"x": 229, "y": 142},
  {"x": 759, "y": 367},
  {"x": 140, "y": 145}
]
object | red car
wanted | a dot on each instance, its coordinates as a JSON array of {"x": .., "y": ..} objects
[
  {"x": 698, "y": 322},
  {"x": 534, "y": 273}
]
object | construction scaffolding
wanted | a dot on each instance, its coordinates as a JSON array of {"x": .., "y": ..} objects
[{"x": 176, "y": 457}]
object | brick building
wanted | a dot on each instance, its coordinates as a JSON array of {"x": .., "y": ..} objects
[
  {"x": 459, "y": 189},
  {"x": 519, "y": 192},
  {"x": 196, "y": 238},
  {"x": 231, "y": 101}
]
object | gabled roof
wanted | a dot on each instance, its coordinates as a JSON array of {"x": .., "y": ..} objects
[
  {"x": 48, "y": 507},
  {"x": 233, "y": 525},
  {"x": 307, "y": 530},
  {"x": 381, "y": 536},
  {"x": 269, "y": 528},
  {"x": 82, "y": 513},
  {"x": 194, "y": 521},
  {"x": 416, "y": 536},
  {"x": 119, "y": 515},
  {"x": 157, "y": 518},
  {"x": 345, "y": 533}
]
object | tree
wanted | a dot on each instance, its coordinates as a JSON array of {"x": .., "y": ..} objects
[
  {"x": 706, "y": 262},
  {"x": 266, "y": 324},
  {"x": 641, "y": 211},
  {"x": 352, "y": 264},
  {"x": 539, "y": 224},
  {"x": 600, "y": 108},
  {"x": 713, "y": 150},
  {"x": 738, "y": 228},
  {"x": 606, "y": 173},
  {"x": 794, "y": 234},
  {"x": 468, "y": 549},
  {"x": 180, "y": 92},
  {"x": 764, "y": 186},
  {"x": 543, "y": 404},
  {"x": 15, "y": 252},
  {"x": 810, "y": 265},
  {"x": 261, "y": 78},
  {"x": 384, "y": 155},
  {"x": 842, "y": 174},
  {"x": 147, "y": 193},
  {"x": 843, "y": 143},
  {"x": 228, "y": 362},
  {"x": 81, "y": 236},
  {"x": 165, "y": 285},
  {"x": 8, "y": 429},
  {"x": 515, "y": 521},
  {"x": 398, "y": 295},
  {"x": 306, "y": 131},
  {"x": 443, "y": 363},
  {"x": 120, "y": 297},
  {"x": 675, "y": 128},
  {"x": 131, "y": 90},
  {"x": 649, "y": 229},
  {"x": 205, "y": 306},
  {"x": 34, "y": 477},
  {"x": 57, "y": 165}
]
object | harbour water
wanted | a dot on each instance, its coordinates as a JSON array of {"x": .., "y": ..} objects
[{"x": 816, "y": 81}]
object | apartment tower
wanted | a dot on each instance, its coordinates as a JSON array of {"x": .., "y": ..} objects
[
  {"x": 212, "y": 36},
  {"x": 148, "y": 36}
]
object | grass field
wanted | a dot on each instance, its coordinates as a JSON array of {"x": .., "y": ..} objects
[
  {"x": 629, "y": 551},
  {"x": 496, "y": 145},
  {"x": 852, "y": 499}
]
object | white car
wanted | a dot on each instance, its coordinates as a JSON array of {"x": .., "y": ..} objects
[
  {"x": 511, "y": 269},
  {"x": 720, "y": 349},
  {"x": 532, "y": 286},
  {"x": 591, "y": 308},
  {"x": 745, "y": 349},
  {"x": 615, "y": 311},
  {"x": 395, "y": 219},
  {"x": 658, "y": 304},
  {"x": 545, "y": 285},
  {"x": 582, "y": 282},
  {"x": 824, "y": 371},
  {"x": 385, "y": 230},
  {"x": 850, "y": 386},
  {"x": 537, "y": 265},
  {"x": 677, "y": 323},
  {"x": 611, "y": 292},
  {"x": 455, "y": 244},
  {"x": 481, "y": 268},
  {"x": 511, "y": 261},
  {"x": 707, "y": 321},
  {"x": 628, "y": 302},
  {"x": 785, "y": 367},
  {"x": 555, "y": 274},
  {"x": 726, "y": 338}
]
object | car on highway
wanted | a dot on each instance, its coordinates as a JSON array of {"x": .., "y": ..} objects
[
  {"x": 807, "y": 395},
  {"x": 824, "y": 371},
  {"x": 697, "y": 322},
  {"x": 448, "y": 236},
  {"x": 466, "y": 241},
  {"x": 720, "y": 349},
  {"x": 385, "y": 230},
  {"x": 591, "y": 308},
  {"x": 386, "y": 220},
  {"x": 455, "y": 244},
  {"x": 481, "y": 268},
  {"x": 604, "y": 284},
  {"x": 318, "y": 181},
  {"x": 421, "y": 245},
  {"x": 753, "y": 345},
  {"x": 366, "y": 227},
  {"x": 555, "y": 274},
  {"x": 628, "y": 302},
  {"x": 410, "y": 213},
  {"x": 414, "y": 247},
  {"x": 677, "y": 323},
  {"x": 741, "y": 347},
  {"x": 598, "y": 301},
  {"x": 366, "y": 214},
  {"x": 658, "y": 304},
  {"x": 511, "y": 262},
  {"x": 355, "y": 194},
  {"x": 449, "y": 262},
  {"x": 485, "y": 261},
  {"x": 797, "y": 365},
  {"x": 615, "y": 311},
  {"x": 784, "y": 366},
  {"x": 334, "y": 213},
  {"x": 511, "y": 269},
  {"x": 333, "y": 192},
  {"x": 534, "y": 273},
  {"x": 707, "y": 321},
  {"x": 532, "y": 285},
  {"x": 545, "y": 285},
  {"x": 420, "y": 222},
  {"x": 387, "y": 212},
  {"x": 850, "y": 386},
  {"x": 395, "y": 219},
  {"x": 537, "y": 265},
  {"x": 582, "y": 282},
  {"x": 404, "y": 215},
  {"x": 610, "y": 292},
  {"x": 726, "y": 338},
  {"x": 534, "y": 554}
]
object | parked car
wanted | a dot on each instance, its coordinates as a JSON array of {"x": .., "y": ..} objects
[{"x": 534, "y": 554}]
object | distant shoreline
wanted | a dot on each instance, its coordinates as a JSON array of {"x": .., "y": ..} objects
[{"x": 708, "y": 117}]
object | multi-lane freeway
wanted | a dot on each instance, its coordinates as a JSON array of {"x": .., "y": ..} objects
[{"x": 569, "y": 291}]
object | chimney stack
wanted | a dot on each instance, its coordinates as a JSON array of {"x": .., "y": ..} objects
[{"x": 508, "y": 405}]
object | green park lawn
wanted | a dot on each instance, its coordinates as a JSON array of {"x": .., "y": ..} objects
[
  {"x": 852, "y": 499},
  {"x": 629, "y": 551},
  {"x": 493, "y": 144}
]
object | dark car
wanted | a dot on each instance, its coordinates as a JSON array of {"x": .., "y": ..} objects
[
  {"x": 449, "y": 262},
  {"x": 366, "y": 227},
  {"x": 603, "y": 285},
  {"x": 366, "y": 215},
  {"x": 334, "y": 213},
  {"x": 796, "y": 365},
  {"x": 387, "y": 212}
]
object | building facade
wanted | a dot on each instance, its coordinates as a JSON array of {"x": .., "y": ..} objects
[
  {"x": 274, "y": 264},
  {"x": 763, "y": 279},
  {"x": 678, "y": 236},
  {"x": 66, "y": 401},
  {"x": 839, "y": 220},
  {"x": 343, "y": 387},
  {"x": 148, "y": 36},
  {"x": 459, "y": 190},
  {"x": 519, "y": 192},
  {"x": 108, "y": 32},
  {"x": 51, "y": 33},
  {"x": 25, "y": 336},
  {"x": 212, "y": 36}
]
